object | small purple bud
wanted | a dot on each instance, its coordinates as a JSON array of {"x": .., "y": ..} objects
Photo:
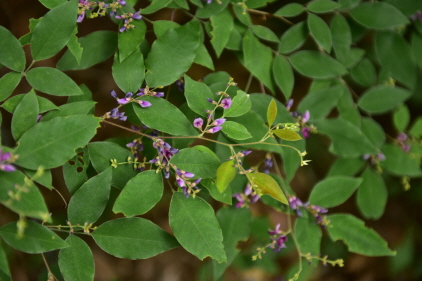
[
  {"x": 381, "y": 157},
  {"x": 289, "y": 104},
  {"x": 210, "y": 100},
  {"x": 406, "y": 148},
  {"x": 80, "y": 17},
  {"x": 122, "y": 29},
  {"x": 137, "y": 16},
  {"x": 402, "y": 137},
  {"x": 246, "y": 152},
  {"x": 305, "y": 132},
  {"x": 214, "y": 129},
  {"x": 159, "y": 94},
  {"x": 198, "y": 122},
  {"x": 144, "y": 103},
  {"x": 113, "y": 94},
  {"x": 275, "y": 231},
  {"x": 118, "y": 17},
  {"x": 218, "y": 122},
  {"x": 188, "y": 174},
  {"x": 128, "y": 95},
  {"x": 226, "y": 103},
  {"x": 7, "y": 167},
  {"x": 141, "y": 92},
  {"x": 123, "y": 3},
  {"x": 306, "y": 117},
  {"x": 123, "y": 101}
]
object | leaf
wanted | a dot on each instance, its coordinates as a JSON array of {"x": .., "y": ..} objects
[
  {"x": 26, "y": 39},
  {"x": 165, "y": 117},
  {"x": 225, "y": 175},
  {"x": 203, "y": 57},
  {"x": 346, "y": 4},
  {"x": 265, "y": 33},
  {"x": 59, "y": 137},
  {"x": 129, "y": 73},
  {"x": 43, "y": 104},
  {"x": 342, "y": 37},
  {"x": 36, "y": 238},
  {"x": 236, "y": 226},
  {"x": 224, "y": 197},
  {"x": 155, "y": 6},
  {"x": 288, "y": 135},
  {"x": 211, "y": 9},
  {"x": 346, "y": 167},
  {"x": 372, "y": 195},
  {"x": 74, "y": 171},
  {"x": 283, "y": 75},
  {"x": 260, "y": 105},
  {"x": 241, "y": 104},
  {"x": 4, "y": 267},
  {"x": 50, "y": 4},
  {"x": 44, "y": 178},
  {"x": 242, "y": 16},
  {"x": 162, "y": 26},
  {"x": 87, "y": 96},
  {"x": 200, "y": 163},
  {"x": 290, "y": 10},
  {"x": 348, "y": 140},
  {"x": 172, "y": 54},
  {"x": 101, "y": 153},
  {"x": 222, "y": 28},
  {"x": 293, "y": 38},
  {"x": 320, "y": 31},
  {"x": 129, "y": 41},
  {"x": 76, "y": 262},
  {"x": 259, "y": 66},
  {"x": 378, "y": 15},
  {"x": 373, "y": 131},
  {"x": 196, "y": 228},
  {"x": 308, "y": 235},
  {"x": 416, "y": 129},
  {"x": 140, "y": 194},
  {"x": 399, "y": 162},
  {"x": 364, "y": 73},
  {"x": 52, "y": 81},
  {"x": 73, "y": 108},
  {"x": 53, "y": 31},
  {"x": 416, "y": 46},
  {"x": 196, "y": 94},
  {"x": 25, "y": 115},
  {"x": 401, "y": 118},
  {"x": 382, "y": 98},
  {"x": 97, "y": 47},
  {"x": 322, "y": 6},
  {"x": 25, "y": 201},
  {"x": 333, "y": 191},
  {"x": 235, "y": 130},
  {"x": 355, "y": 56},
  {"x": 271, "y": 113},
  {"x": 133, "y": 238},
  {"x": 266, "y": 185},
  {"x": 8, "y": 83},
  {"x": 358, "y": 238},
  {"x": 11, "y": 52},
  {"x": 308, "y": 63},
  {"x": 90, "y": 200}
]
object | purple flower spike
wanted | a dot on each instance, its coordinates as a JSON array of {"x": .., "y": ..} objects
[
  {"x": 198, "y": 122},
  {"x": 226, "y": 103},
  {"x": 306, "y": 117},
  {"x": 137, "y": 16},
  {"x": 218, "y": 122},
  {"x": 214, "y": 129},
  {"x": 144, "y": 103}
]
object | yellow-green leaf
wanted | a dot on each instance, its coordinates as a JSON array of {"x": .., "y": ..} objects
[
  {"x": 271, "y": 112},
  {"x": 285, "y": 134},
  {"x": 225, "y": 174},
  {"x": 265, "y": 184}
]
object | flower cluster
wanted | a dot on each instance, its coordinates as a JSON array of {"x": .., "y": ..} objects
[
  {"x": 268, "y": 164},
  {"x": 214, "y": 127},
  {"x": 277, "y": 239},
  {"x": 302, "y": 119},
  {"x": 115, "y": 114},
  {"x": 5, "y": 160},
  {"x": 165, "y": 152},
  {"x": 249, "y": 196},
  {"x": 315, "y": 210},
  {"x": 136, "y": 147},
  {"x": 147, "y": 92},
  {"x": 374, "y": 159},
  {"x": 225, "y": 102},
  {"x": 129, "y": 98},
  {"x": 183, "y": 180},
  {"x": 238, "y": 164}
]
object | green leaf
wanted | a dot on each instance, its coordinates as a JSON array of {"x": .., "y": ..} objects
[
  {"x": 416, "y": 46},
  {"x": 8, "y": 83},
  {"x": 372, "y": 195},
  {"x": 259, "y": 66},
  {"x": 211, "y": 9},
  {"x": 90, "y": 200},
  {"x": 225, "y": 175},
  {"x": 402, "y": 68},
  {"x": 308, "y": 235},
  {"x": 172, "y": 54},
  {"x": 43, "y": 104},
  {"x": 25, "y": 115},
  {"x": 241, "y": 15},
  {"x": 76, "y": 262},
  {"x": 358, "y": 238},
  {"x": 378, "y": 15},
  {"x": 288, "y": 135},
  {"x": 346, "y": 4},
  {"x": 101, "y": 153},
  {"x": 283, "y": 75},
  {"x": 401, "y": 118},
  {"x": 333, "y": 191},
  {"x": 52, "y": 81},
  {"x": 59, "y": 137},
  {"x": 202, "y": 164},
  {"x": 222, "y": 27},
  {"x": 4, "y": 267},
  {"x": 26, "y": 39},
  {"x": 271, "y": 113},
  {"x": 129, "y": 41},
  {"x": 235, "y": 130},
  {"x": 383, "y": 98},
  {"x": 322, "y": 6},
  {"x": 364, "y": 73},
  {"x": 133, "y": 238},
  {"x": 182, "y": 3},
  {"x": 373, "y": 131},
  {"x": 140, "y": 194},
  {"x": 260, "y": 105},
  {"x": 50, "y": 4},
  {"x": 264, "y": 33},
  {"x": 241, "y": 104},
  {"x": 399, "y": 162},
  {"x": 97, "y": 47},
  {"x": 225, "y": 196},
  {"x": 129, "y": 73},
  {"x": 320, "y": 31},
  {"x": 308, "y": 63},
  {"x": 27, "y": 200},
  {"x": 36, "y": 238},
  {"x": 162, "y": 26},
  {"x": 196, "y": 94},
  {"x": 164, "y": 116},
  {"x": 348, "y": 140},
  {"x": 74, "y": 47},
  {"x": 87, "y": 95},
  {"x": 11, "y": 52},
  {"x": 355, "y": 56},
  {"x": 73, "y": 108},
  {"x": 196, "y": 228},
  {"x": 54, "y": 30},
  {"x": 290, "y": 10},
  {"x": 74, "y": 171},
  {"x": 346, "y": 167},
  {"x": 293, "y": 38},
  {"x": 236, "y": 226},
  {"x": 416, "y": 129},
  {"x": 155, "y": 6},
  {"x": 266, "y": 185},
  {"x": 43, "y": 178},
  {"x": 203, "y": 57},
  {"x": 342, "y": 37}
]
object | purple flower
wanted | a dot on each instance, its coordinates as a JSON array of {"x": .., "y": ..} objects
[
  {"x": 380, "y": 156},
  {"x": 141, "y": 92},
  {"x": 276, "y": 231},
  {"x": 295, "y": 203},
  {"x": 243, "y": 198},
  {"x": 4, "y": 161},
  {"x": 115, "y": 114},
  {"x": 306, "y": 117},
  {"x": 113, "y": 94},
  {"x": 81, "y": 17},
  {"x": 278, "y": 243},
  {"x": 214, "y": 129},
  {"x": 316, "y": 211},
  {"x": 218, "y": 122},
  {"x": 137, "y": 16},
  {"x": 226, "y": 103},
  {"x": 289, "y": 104},
  {"x": 198, "y": 122},
  {"x": 268, "y": 164},
  {"x": 121, "y": 2},
  {"x": 402, "y": 137},
  {"x": 159, "y": 94},
  {"x": 210, "y": 100},
  {"x": 305, "y": 132},
  {"x": 144, "y": 103}
]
